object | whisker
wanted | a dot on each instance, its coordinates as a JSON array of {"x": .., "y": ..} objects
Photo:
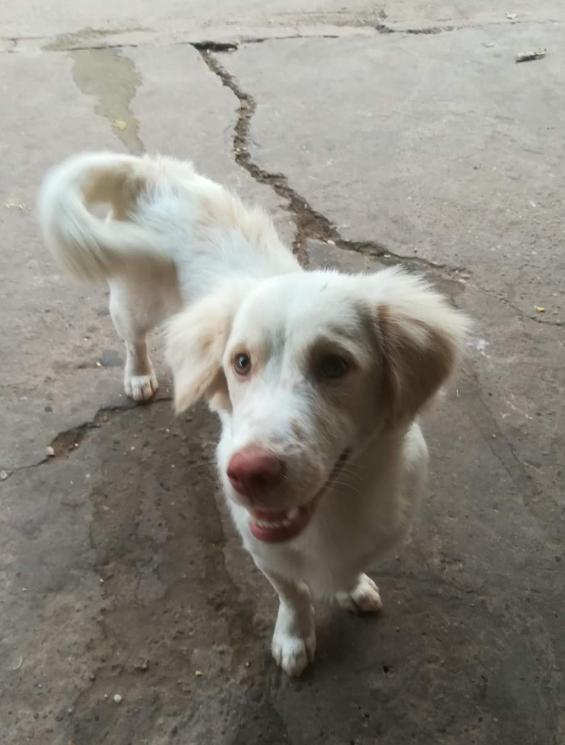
[{"x": 355, "y": 485}]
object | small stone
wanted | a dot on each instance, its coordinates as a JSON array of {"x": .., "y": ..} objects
[
  {"x": 3, "y": 475},
  {"x": 50, "y": 451},
  {"x": 531, "y": 56},
  {"x": 117, "y": 698},
  {"x": 92, "y": 677},
  {"x": 198, "y": 673},
  {"x": 119, "y": 124},
  {"x": 539, "y": 308}
]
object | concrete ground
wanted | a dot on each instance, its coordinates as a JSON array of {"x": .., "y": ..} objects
[{"x": 391, "y": 132}]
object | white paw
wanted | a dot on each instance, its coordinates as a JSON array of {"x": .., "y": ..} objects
[
  {"x": 293, "y": 653},
  {"x": 141, "y": 387},
  {"x": 364, "y": 598}
]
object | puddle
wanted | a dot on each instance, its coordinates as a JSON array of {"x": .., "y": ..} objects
[{"x": 112, "y": 80}]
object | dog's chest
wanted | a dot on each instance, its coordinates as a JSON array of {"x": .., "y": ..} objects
[{"x": 342, "y": 541}]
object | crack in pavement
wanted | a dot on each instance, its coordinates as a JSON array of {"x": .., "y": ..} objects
[
  {"x": 69, "y": 440},
  {"x": 310, "y": 224},
  {"x": 206, "y": 44},
  {"x": 232, "y": 46},
  {"x": 522, "y": 315},
  {"x": 384, "y": 28},
  {"x": 96, "y": 39}
]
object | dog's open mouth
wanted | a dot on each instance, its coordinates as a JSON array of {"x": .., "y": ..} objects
[{"x": 277, "y": 526}]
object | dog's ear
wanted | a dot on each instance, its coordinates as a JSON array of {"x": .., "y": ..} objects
[
  {"x": 419, "y": 336},
  {"x": 195, "y": 343}
]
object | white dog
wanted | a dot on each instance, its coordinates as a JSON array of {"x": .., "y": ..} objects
[{"x": 317, "y": 376}]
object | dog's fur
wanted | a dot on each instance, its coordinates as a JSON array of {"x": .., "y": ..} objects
[{"x": 179, "y": 248}]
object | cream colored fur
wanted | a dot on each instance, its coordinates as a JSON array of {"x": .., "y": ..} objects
[{"x": 180, "y": 249}]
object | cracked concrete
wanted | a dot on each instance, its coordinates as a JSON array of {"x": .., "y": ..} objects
[
  {"x": 310, "y": 224},
  {"x": 505, "y": 151},
  {"x": 375, "y": 133}
]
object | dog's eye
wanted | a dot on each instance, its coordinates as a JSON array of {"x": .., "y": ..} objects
[
  {"x": 332, "y": 366},
  {"x": 242, "y": 364}
]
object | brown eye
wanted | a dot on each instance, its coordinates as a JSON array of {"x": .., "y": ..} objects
[
  {"x": 242, "y": 364},
  {"x": 332, "y": 366}
]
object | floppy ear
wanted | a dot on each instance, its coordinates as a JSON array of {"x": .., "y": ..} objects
[
  {"x": 195, "y": 343},
  {"x": 420, "y": 337}
]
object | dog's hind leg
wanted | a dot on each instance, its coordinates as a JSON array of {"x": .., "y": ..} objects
[{"x": 133, "y": 320}]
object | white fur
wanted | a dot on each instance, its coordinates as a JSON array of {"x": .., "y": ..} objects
[{"x": 180, "y": 248}]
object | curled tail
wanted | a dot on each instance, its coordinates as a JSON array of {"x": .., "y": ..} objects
[{"x": 85, "y": 245}]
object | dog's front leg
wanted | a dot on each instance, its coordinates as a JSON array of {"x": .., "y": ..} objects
[
  {"x": 362, "y": 596},
  {"x": 294, "y": 640}
]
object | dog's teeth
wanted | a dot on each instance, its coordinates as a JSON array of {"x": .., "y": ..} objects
[
  {"x": 265, "y": 524},
  {"x": 292, "y": 514}
]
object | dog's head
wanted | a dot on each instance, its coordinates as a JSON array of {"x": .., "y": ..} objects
[{"x": 304, "y": 369}]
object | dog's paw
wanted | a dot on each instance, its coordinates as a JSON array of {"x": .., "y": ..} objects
[
  {"x": 364, "y": 598},
  {"x": 293, "y": 653},
  {"x": 141, "y": 387}
]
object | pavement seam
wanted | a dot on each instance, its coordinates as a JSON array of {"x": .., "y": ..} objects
[
  {"x": 338, "y": 32},
  {"x": 206, "y": 44}
]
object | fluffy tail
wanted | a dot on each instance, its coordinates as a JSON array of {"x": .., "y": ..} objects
[{"x": 85, "y": 245}]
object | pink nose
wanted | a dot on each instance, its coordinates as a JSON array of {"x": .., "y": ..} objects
[{"x": 253, "y": 471}]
